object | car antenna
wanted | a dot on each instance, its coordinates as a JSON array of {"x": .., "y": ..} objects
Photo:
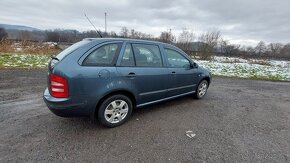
[{"x": 93, "y": 26}]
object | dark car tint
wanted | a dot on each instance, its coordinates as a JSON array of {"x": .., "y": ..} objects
[
  {"x": 147, "y": 55},
  {"x": 103, "y": 56},
  {"x": 176, "y": 60},
  {"x": 128, "y": 59}
]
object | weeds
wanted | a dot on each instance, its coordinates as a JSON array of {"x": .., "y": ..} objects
[
  {"x": 23, "y": 61},
  {"x": 260, "y": 62},
  {"x": 28, "y": 47}
]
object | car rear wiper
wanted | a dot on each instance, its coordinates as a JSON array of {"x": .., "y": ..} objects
[{"x": 52, "y": 57}]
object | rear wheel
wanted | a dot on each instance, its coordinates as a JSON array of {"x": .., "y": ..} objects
[
  {"x": 115, "y": 110},
  {"x": 201, "y": 89}
]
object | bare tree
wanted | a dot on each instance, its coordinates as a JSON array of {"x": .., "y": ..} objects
[
  {"x": 112, "y": 34},
  {"x": 275, "y": 49},
  {"x": 25, "y": 36},
  {"x": 229, "y": 49},
  {"x": 185, "y": 41},
  {"x": 261, "y": 48},
  {"x": 89, "y": 34},
  {"x": 209, "y": 42},
  {"x": 186, "y": 36},
  {"x": 250, "y": 51},
  {"x": 132, "y": 33},
  {"x": 3, "y": 34},
  {"x": 53, "y": 36},
  {"x": 166, "y": 37},
  {"x": 285, "y": 52},
  {"x": 124, "y": 32}
]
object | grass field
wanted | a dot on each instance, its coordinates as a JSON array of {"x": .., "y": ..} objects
[
  {"x": 248, "y": 68},
  {"x": 28, "y": 61},
  {"x": 219, "y": 66}
]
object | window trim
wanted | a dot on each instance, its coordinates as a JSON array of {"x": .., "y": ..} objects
[{"x": 88, "y": 53}]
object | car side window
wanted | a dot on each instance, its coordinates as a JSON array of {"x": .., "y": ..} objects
[
  {"x": 147, "y": 55},
  {"x": 176, "y": 60},
  {"x": 103, "y": 56},
  {"x": 128, "y": 57}
]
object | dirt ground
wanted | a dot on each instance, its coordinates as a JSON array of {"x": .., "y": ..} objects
[{"x": 237, "y": 121}]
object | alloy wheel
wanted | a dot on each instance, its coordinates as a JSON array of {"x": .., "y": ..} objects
[{"x": 116, "y": 111}]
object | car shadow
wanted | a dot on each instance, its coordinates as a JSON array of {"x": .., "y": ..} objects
[{"x": 87, "y": 123}]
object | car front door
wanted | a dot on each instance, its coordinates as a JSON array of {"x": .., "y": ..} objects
[
  {"x": 141, "y": 66},
  {"x": 182, "y": 75}
]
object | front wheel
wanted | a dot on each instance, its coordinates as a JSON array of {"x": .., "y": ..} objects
[
  {"x": 201, "y": 89},
  {"x": 115, "y": 110}
]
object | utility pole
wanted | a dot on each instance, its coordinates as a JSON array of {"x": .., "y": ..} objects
[{"x": 106, "y": 22}]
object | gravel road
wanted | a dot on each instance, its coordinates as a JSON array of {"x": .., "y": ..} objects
[{"x": 237, "y": 121}]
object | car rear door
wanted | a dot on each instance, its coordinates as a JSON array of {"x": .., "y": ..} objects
[{"x": 141, "y": 66}]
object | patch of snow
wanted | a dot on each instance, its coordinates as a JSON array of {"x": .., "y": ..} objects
[{"x": 238, "y": 67}]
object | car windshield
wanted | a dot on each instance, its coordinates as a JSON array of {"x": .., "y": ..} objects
[{"x": 70, "y": 49}]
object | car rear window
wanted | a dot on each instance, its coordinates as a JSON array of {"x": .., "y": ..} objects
[
  {"x": 70, "y": 49},
  {"x": 103, "y": 56}
]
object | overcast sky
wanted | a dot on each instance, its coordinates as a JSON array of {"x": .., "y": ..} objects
[{"x": 243, "y": 21}]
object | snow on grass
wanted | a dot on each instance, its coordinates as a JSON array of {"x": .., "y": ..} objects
[
  {"x": 23, "y": 61},
  {"x": 251, "y": 68},
  {"x": 220, "y": 66}
]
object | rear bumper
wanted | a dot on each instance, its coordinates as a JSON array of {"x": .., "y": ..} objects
[{"x": 66, "y": 107}]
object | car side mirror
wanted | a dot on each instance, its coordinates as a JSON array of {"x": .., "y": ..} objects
[{"x": 193, "y": 65}]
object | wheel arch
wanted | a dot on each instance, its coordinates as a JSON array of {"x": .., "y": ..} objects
[
  {"x": 127, "y": 93},
  {"x": 207, "y": 78}
]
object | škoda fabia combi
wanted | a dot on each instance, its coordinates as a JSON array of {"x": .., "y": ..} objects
[{"x": 106, "y": 78}]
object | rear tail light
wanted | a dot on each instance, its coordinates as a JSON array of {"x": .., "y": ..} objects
[{"x": 58, "y": 86}]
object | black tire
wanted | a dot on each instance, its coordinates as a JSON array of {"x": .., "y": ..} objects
[
  {"x": 108, "y": 104},
  {"x": 199, "y": 95}
]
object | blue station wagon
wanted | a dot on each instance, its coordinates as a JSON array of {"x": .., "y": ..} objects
[{"x": 105, "y": 78}]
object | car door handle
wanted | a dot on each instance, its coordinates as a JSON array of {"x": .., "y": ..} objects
[
  {"x": 173, "y": 72},
  {"x": 131, "y": 75}
]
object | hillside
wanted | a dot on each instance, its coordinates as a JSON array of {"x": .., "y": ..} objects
[{"x": 18, "y": 27}]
